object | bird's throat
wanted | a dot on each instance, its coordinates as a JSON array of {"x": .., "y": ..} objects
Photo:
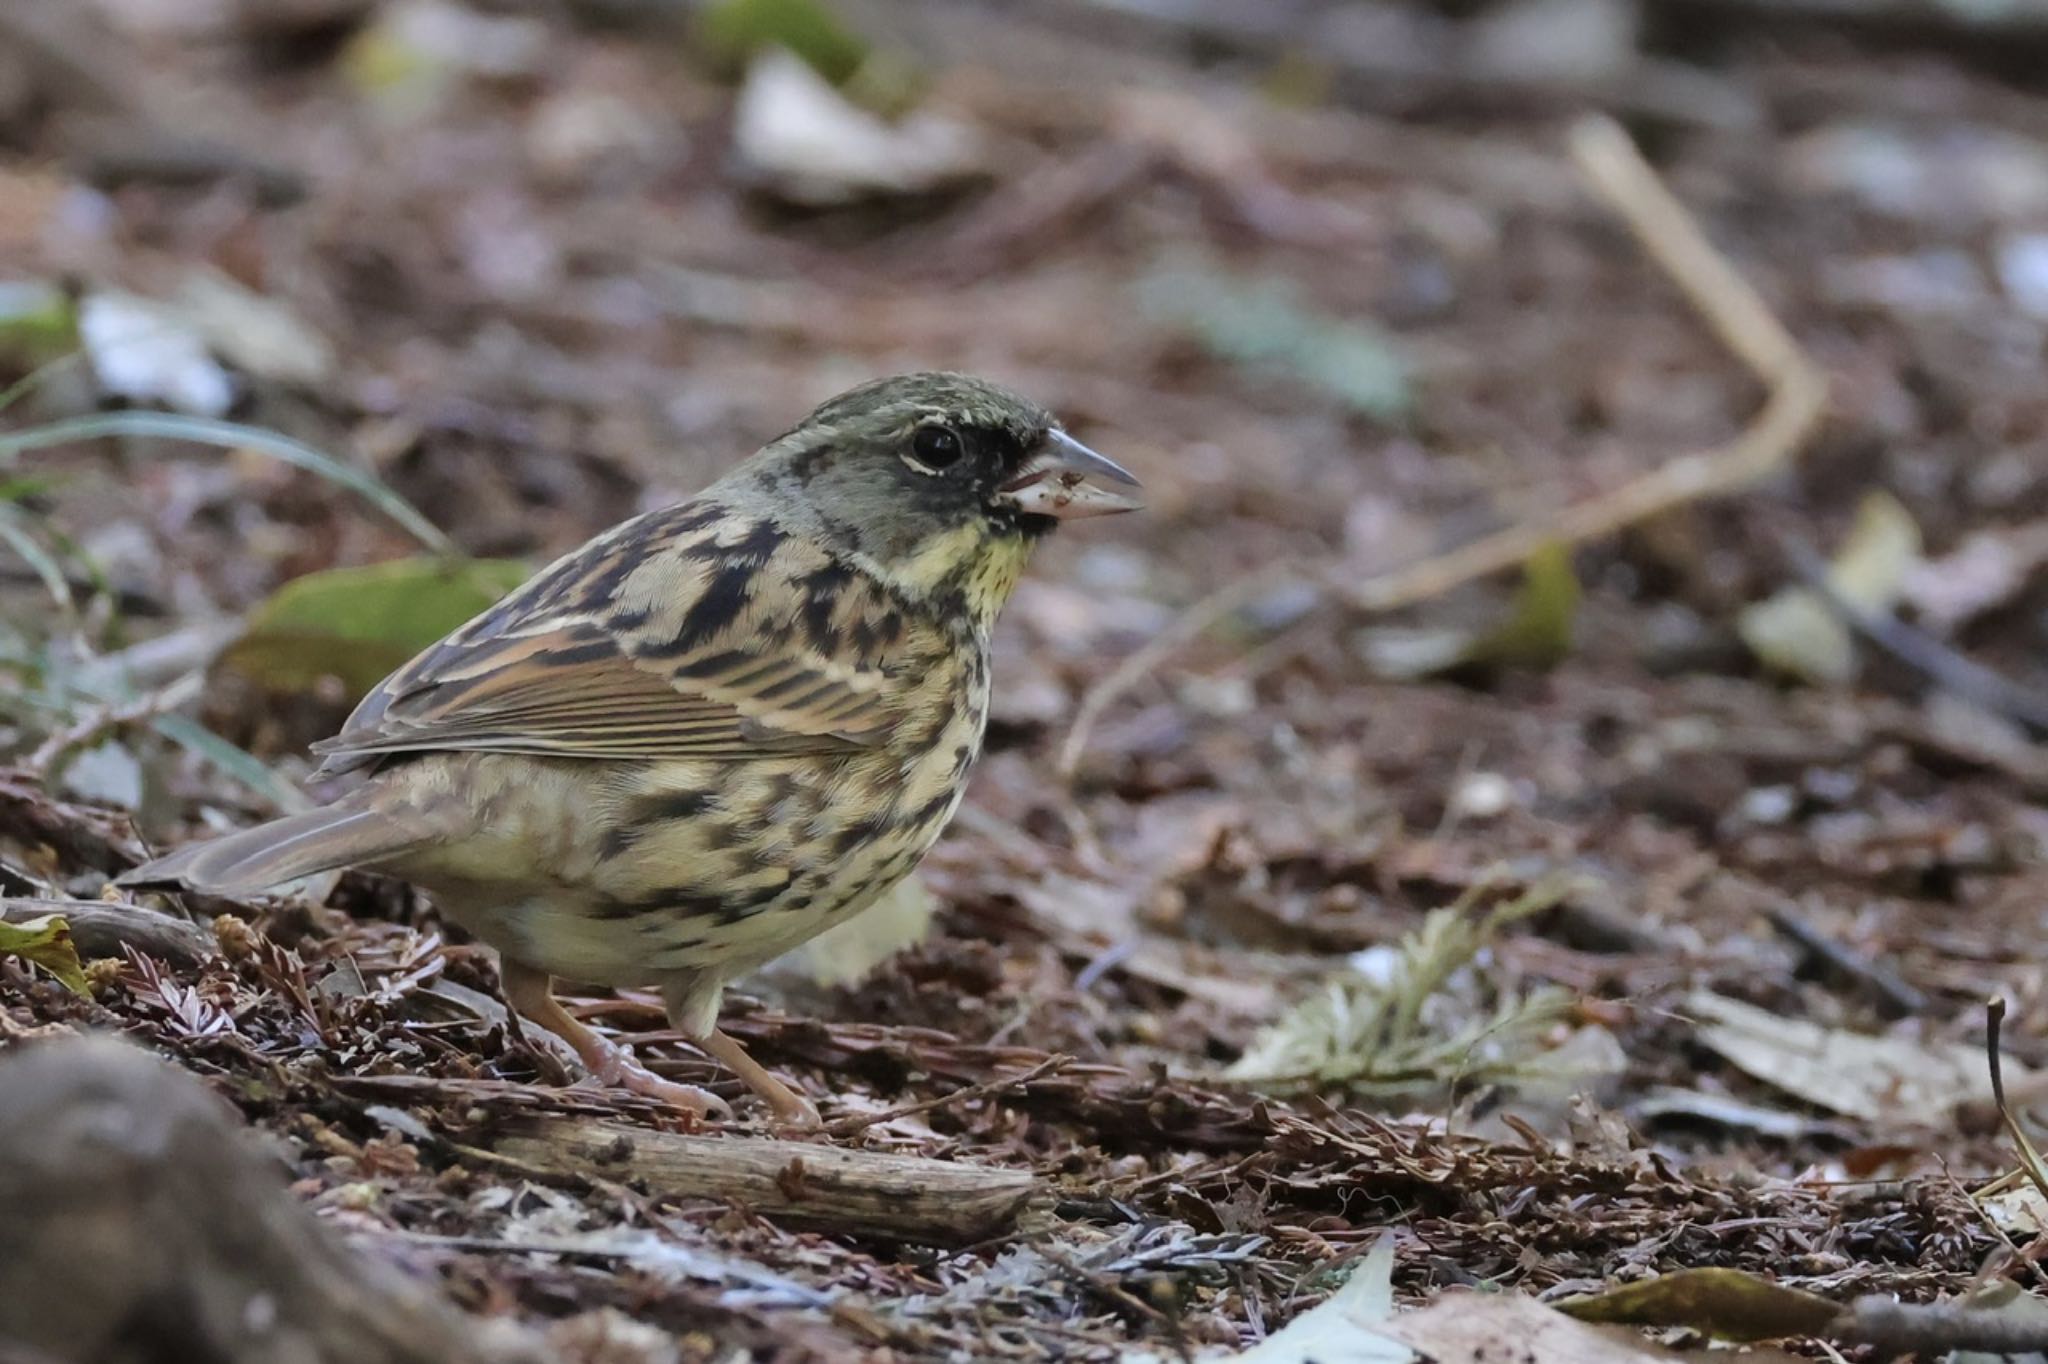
[{"x": 969, "y": 562}]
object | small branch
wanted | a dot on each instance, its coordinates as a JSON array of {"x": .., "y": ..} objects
[
  {"x": 1739, "y": 317},
  {"x": 1952, "y": 672},
  {"x": 847, "y": 1127},
  {"x": 1927, "y": 1330},
  {"x": 1617, "y": 172},
  {"x": 1183, "y": 630},
  {"x": 101, "y": 721},
  {"x": 862, "y": 1193},
  {"x": 1893, "y": 995},
  {"x": 101, "y": 928}
]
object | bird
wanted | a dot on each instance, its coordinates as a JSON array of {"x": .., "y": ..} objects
[{"x": 709, "y": 733}]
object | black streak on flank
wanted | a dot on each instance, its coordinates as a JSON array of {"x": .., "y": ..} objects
[
  {"x": 859, "y": 832},
  {"x": 647, "y": 812},
  {"x": 667, "y": 806},
  {"x": 932, "y": 809},
  {"x": 671, "y": 903}
]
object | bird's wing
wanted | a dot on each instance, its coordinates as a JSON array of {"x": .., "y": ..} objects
[{"x": 692, "y": 632}]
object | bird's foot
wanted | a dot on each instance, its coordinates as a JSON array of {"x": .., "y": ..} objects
[
  {"x": 617, "y": 1066},
  {"x": 795, "y": 1113}
]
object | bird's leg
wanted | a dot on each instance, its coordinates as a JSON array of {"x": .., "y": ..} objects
[
  {"x": 692, "y": 1001},
  {"x": 531, "y": 993},
  {"x": 790, "y": 1106}
]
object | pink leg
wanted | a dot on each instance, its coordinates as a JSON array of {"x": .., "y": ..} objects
[{"x": 531, "y": 993}]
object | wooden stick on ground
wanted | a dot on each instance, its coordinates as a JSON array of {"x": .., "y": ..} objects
[
  {"x": 864, "y": 1193},
  {"x": 101, "y": 928},
  {"x": 1798, "y": 391},
  {"x": 1617, "y": 172}
]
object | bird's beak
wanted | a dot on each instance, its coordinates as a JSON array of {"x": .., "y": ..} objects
[{"x": 1067, "y": 480}]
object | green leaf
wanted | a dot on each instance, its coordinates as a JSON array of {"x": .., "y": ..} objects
[
  {"x": 1536, "y": 632},
  {"x": 37, "y": 324},
  {"x": 1726, "y": 1303},
  {"x": 46, "y": 942},
  {"x": 733, "y": 31},
  {"x": 358, "y": 624}
]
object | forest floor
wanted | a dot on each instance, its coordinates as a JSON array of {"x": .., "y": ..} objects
[{"x": 1220, "y": 972}]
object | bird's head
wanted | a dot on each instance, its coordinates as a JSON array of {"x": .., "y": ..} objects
[{"x": 938, "y": 482}]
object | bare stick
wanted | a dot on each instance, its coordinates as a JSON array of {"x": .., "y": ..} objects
[
  {"x": 101, "y": 928},
  {"x": 847, "y": 1127},
  {"x": 1798, "y": 398},
  {"x": 103, "y": 720},
  {"x": 1183, "y": 629},
  {"x": 1742, "y": 321},
  {"x": 864, "y": 1193}
]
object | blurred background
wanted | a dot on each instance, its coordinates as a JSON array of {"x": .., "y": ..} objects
[{"x": 322, "y": 322}]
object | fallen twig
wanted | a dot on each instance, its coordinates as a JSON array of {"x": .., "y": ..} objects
[
  {"x": 1744, "y": 323},
  {"x": 1051, "y": 1065},
  {"x": 864, "y": 1193},
  {"x": 101, "y": 928},
  {"x": 1185, "y": 627},
  {"x": 1798, "y": 398},
  {"x": 104, "y": 720},
  {"x": 1893, "y": 995},
  {"x": 1952, "y": 672},
  {"x": 1928, "y": 1329}
]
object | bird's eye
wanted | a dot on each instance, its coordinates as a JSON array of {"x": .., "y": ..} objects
[{"x": 936, "y": 447}]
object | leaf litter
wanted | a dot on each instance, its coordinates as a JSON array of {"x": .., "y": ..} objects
[{"x": 1299, "y": 321}]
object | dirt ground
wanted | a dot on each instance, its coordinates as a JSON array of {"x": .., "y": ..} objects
[{"x": 1326, "y": 278}]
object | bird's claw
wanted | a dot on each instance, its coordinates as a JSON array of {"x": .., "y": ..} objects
[{"x": 618, "y": 1067}]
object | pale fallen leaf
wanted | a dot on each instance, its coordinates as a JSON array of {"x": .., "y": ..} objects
[
  {"x": 1910, "y": 1083},
  {"x": 1481, "y": 1328},
  {"x": 145, "y": 352},
  {"x": 804, "y": 142},
  {"x": 1983, "y": 573},
  {"x": 1348, "y": 1326},
  {"x": 2018, "y": 1211},
  {"x": 1799, "y": 632},
  {"x": 257, "y": 334}
]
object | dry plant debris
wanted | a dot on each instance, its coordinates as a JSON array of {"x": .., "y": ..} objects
[{"x": 292, "y": 291}]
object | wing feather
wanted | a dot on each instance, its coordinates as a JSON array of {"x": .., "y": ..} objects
[{"x": 677, "y": 635}]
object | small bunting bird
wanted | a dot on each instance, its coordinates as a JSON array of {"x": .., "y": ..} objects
[{"x": 713, "y": 731}]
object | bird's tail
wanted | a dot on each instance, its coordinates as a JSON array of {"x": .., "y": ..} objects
[{"x": 351, "y": 832}]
